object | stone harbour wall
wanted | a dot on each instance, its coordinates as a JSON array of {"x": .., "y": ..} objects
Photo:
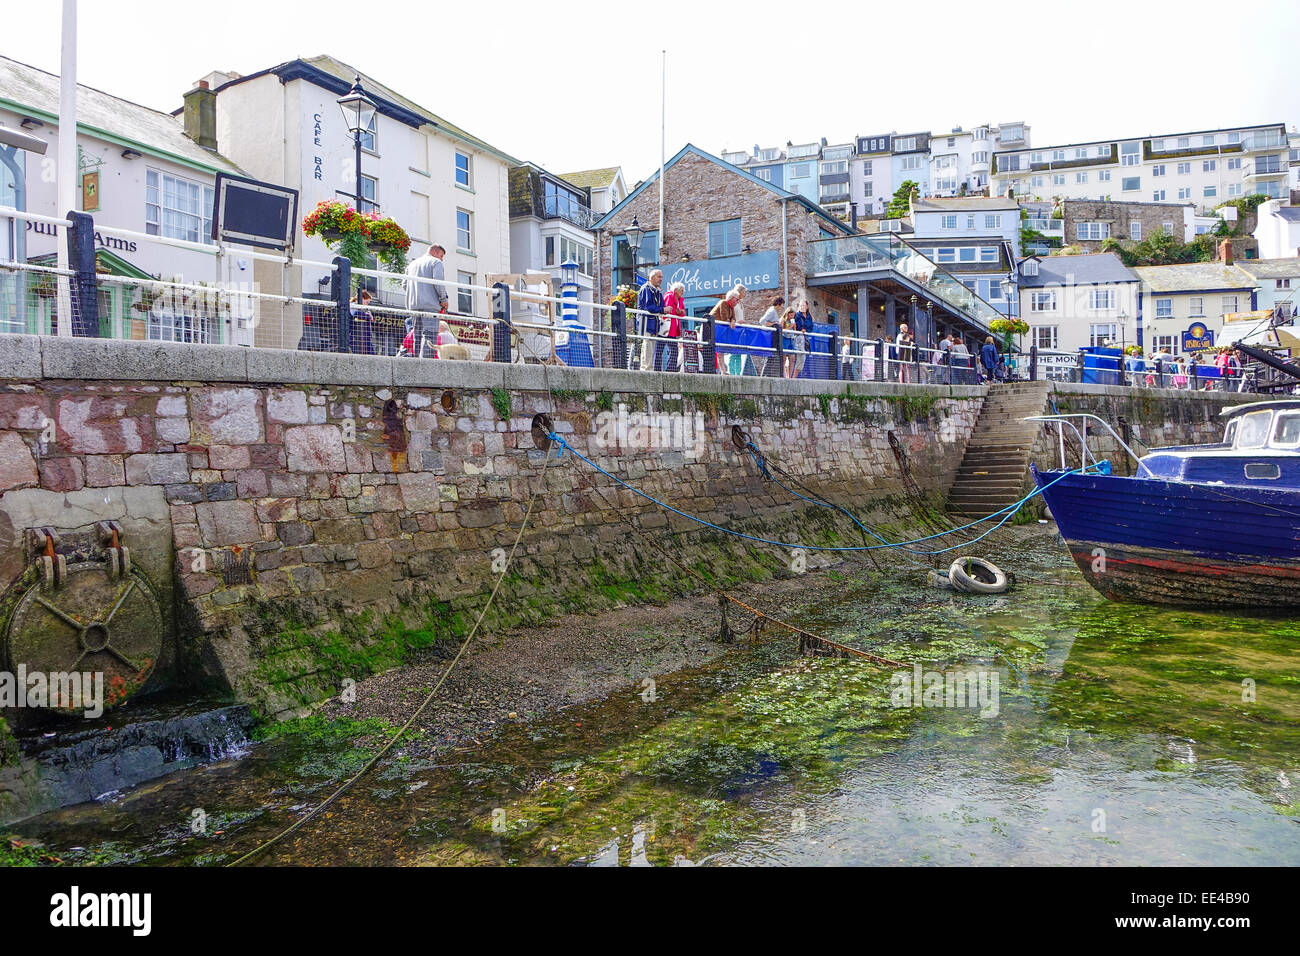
[{"x": 312, "y": 517}]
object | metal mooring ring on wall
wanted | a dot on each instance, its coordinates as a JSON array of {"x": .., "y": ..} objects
[
  {"x": 542, "y": 429},
  {"x": 448, "y": 401},
  {"x": 93, "y": 622},
  {"x": 739, "y": 438}
]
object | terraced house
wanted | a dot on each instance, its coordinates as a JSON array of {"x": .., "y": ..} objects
[{"x": 1203, "y": 168}]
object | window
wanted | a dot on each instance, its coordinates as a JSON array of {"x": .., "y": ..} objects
[
  {"x": 464, "y": 230},
  {"x": 1234, "y": 162},
  {"x": 1058, "y": 155},
  {"x": 1211, "y": 191},
  {"x": 801, "y": 170},
  {"x": 970, "y": 222},
  {"x": 1158, "y": 170},
  {"x": 1164, "y": 308},
  {"x": 1166, "y": 343},
  {"x": 1101, "y": 333},
  {"x": 867, "y": 189},
  {"x": 621, "y": 264},
  {"x": 947, "y": 222},
  {"x": 911, "y": 162},
  {"x": 1058, "y": 179},
  {"x": 1035, "y": 158},
  {"x": 979, "y": 157},
  {"x": 905, "y": 145},
  {"x": 1128, "y": 154},
  {"x": 1234, "y": 137},
  {"x": 1184, "y": 169},
  {"x": 1081, "y": 153},
  {"x": 369, "y": 194},
  {"x": 573, "y": 251},
  {"x": 177, "y": 208},
  {"x": 764, "y": 174},
  {"x": 966, "y": 254},
  {"x": 945, "y": 162},
  {"x": 368, "y": 138},
  {"x": 1092, "y": 231},
  {"x": 1281, "y": 283},
  {"x": 838, "y": 166},
  {"x": 1044, "y": 336},
  {"x": 724, "y": 238},
  {"x": 550, "y": 251},
  {"x": 1196, "y": 307},
  {"x": 1131, "y": 183},
  {"x": 945, "y": 254},
  {"x": 866, "y": 168},
  {"x": 1080, "y": 177},
  {"x": 1229, "y": 304},
  {"x": 463, "y": 177},
  {"x": 1158, "y": 195},
  {"x": 990, "y": 254},
  {"x": 1184, "y": 192},
  {"x": 945, "y": 185},
  {"x": 465, "y": 297},
  {"x": 1042, "y": 302},
  {"x": 1184, "y": 142},
  {"x": 1207, "y": 140},
  {"x": 1209, "y": 166},
  {"x": 993, "y": 221},
  {"x": 1286, "y": 431},
  {"x": 1103, "y": 175},
  {"x": 1167, "y": 228},
  {"x": 1234, "y": 189},
  {"x": 1037, "y": 181},
  {"x": 1101, "y": 300}
]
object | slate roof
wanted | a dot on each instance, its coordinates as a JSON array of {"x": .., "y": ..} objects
[
  {"x": 592, "y": 178},
  {"x": 1289, "y": 213},
  {"x": 964, "y": 204},
  {"x": 1272, "y": 268},
  {"x": 1195, "y": 277},
  {"x": 26, "y": 89},
  {"x": 1099, "y": 268}
]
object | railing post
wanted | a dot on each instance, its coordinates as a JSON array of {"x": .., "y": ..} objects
[
  {"x": 84, "y": 320},
  {"x": 879, "y": 348},
  {"x": 1195, "y": 386},
  {"x": 1033, "y": 363},
  {"x": 709, "y": 347},
  {"x": 500, "y": 323},
  {"x": 1123, "y": 368},
  {"x": 618, "y": 325},
  {"x": 1160, "y": 373},
  {"x": 341, "y": 296},
  {"x": 835, "y": 355},
  {"x": 778, "y": 352}
]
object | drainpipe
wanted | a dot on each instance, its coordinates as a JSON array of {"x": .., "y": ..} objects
[{"x": 785, "y": 248}]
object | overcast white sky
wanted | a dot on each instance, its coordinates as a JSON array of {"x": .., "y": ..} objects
[{"x": 575, "y": 85}]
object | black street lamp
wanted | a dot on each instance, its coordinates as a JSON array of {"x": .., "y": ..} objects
[
  {"x": 633, "y": 238},
  {"x": 358, "y": 113}
]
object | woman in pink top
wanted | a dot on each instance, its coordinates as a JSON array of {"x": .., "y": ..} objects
[{"x": 671, "y": 328}]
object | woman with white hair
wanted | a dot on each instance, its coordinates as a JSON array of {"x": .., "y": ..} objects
[{"x": 728, "y": 311}]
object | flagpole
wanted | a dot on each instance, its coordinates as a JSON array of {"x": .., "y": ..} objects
[
  {"x": 66, "y": 171},
  {"x": 663, "y": 122}
]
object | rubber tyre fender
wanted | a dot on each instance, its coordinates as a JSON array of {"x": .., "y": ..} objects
[{"x": 972, "y": 585}]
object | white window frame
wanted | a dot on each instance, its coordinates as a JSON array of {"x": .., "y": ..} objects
[
  {"x": 465, "y": 297},
  {"x": 1096, "y": 340},
  {"x": 1196, "y": 307},
  {"x": 1164, "y": 308},
  {"x": 1101, "y": 300},
  {"x": 948, "y": 221},
  {"x": 1091, "y": 231},
  {"x": 467, "y": 229},
  {"x": 468, "y": 171},
  {"x": 171, "y": 220},
  {"x": 1042, "y": 301}
]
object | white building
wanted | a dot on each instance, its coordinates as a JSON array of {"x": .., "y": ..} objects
[
  {"x": 871, "y": 175},
  {"x": 1072, "y": 302},
  {"x": 1205, "y": 168},
  {"x": 973, "y": 237},
  {"x": 1279, "y": 282},
  {"x": 550, "y": 224},
  {"x": 440, "y": 183},
  {"x": 1278, "y": 230},
  {"x": 606, "y": 186},
  {"x": 139, "y": 171}
]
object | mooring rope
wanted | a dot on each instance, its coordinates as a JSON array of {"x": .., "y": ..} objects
[
  {"x": 1007, "y": 513},
  {"x": 370, "y": 764}
]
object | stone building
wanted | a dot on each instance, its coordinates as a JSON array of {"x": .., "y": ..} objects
[
  {"x": 722, "y": 225},
  {"x": 1088, "y": 222}
]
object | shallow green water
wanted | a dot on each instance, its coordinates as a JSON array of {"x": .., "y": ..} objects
[{"x": 1120, "y": 736}]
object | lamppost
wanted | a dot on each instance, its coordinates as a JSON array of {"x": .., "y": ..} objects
[
  {"x": 633, "y": 237},
  {"x": 358, "y": 113}
]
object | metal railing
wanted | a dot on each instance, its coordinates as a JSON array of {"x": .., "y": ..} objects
[{"x": 1130, "y": 371}]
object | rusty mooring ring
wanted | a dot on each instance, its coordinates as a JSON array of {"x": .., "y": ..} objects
[
  {"x": 542, "y": 429},
  {"x": 739, "y": 438}
]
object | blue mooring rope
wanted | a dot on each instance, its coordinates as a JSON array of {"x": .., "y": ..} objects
[{"x": 1007, "y": 513}]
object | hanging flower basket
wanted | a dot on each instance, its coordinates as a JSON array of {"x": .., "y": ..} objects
[{"x": 357, "y": 235}]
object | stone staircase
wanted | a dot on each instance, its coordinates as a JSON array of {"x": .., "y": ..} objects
[{"x": 992, "y": 473}]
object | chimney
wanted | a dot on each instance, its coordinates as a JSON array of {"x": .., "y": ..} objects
[
  {"x": 201, "y": 116},
  {"x": 1225, "y": 251}
]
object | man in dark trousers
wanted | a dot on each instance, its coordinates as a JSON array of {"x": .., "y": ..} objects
[
  {"x": 650, "y": 300},
  {"x": 989, "y": 359}
]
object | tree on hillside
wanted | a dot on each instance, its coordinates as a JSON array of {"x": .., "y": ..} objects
[{"x": 901, "y": 204}]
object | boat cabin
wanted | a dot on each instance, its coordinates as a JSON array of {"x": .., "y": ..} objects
[{"x": 1260, "y": 447}]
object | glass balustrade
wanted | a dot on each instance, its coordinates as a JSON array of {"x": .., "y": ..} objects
[{"x": 868, "y": 253}]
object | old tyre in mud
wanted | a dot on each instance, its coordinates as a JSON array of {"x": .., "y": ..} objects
[
  {"x": 95, "y": 621},
  {"x": 977, "y": 576}
]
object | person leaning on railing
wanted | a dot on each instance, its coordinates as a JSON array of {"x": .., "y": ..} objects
[
  {"x": 674, "y": 313},
  {"x": 650, "y": 302},
  {"x": 726, "y": 311}
]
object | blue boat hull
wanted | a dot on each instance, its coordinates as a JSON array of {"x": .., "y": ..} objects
[{"x": 1166, "y": 542}]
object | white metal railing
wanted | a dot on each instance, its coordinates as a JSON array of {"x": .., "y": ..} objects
[{"x": 1086, "y": 458}]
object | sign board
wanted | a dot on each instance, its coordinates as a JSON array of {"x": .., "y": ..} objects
[
  {"x": 253, "y": 213},
  {"x": 716, "y": 277},
  {"x": 1197, "y": 338},
  {"x": 90, "y": 192}
]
